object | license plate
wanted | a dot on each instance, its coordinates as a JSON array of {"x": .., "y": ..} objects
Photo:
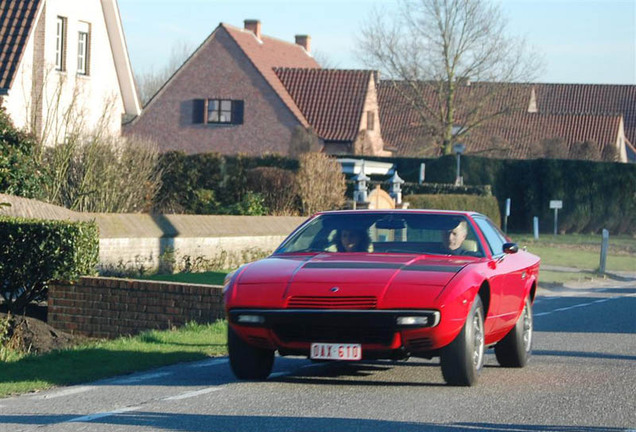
[{"x": 331, "y": 351}]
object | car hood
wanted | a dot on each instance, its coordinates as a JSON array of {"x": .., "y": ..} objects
[{"x": 344, "y": 280}]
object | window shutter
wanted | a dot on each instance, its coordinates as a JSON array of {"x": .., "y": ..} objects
[
  {"x": 237, "y": 112},
  {"x": 198, "y": 111}
]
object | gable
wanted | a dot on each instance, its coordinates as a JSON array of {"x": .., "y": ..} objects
[
  {"x": 17, "y": 19},
  {"x": 268, "y": 53}
]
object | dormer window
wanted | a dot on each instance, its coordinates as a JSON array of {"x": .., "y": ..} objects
[
  {"x": 60, "y": 44},
  {"x": 83, "y": 48}
]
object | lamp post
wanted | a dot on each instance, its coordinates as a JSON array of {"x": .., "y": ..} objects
[{"x": 458, "y": 148}]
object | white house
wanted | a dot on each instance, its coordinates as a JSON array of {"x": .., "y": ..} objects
[{"x": 65, "y": 67}]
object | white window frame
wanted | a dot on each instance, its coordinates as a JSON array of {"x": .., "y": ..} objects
[
  {"x": 60, "y": 43},
  {"x": 83, "y": 48}
]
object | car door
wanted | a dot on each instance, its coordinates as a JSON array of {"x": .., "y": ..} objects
[{"x": 505, "y": 279}]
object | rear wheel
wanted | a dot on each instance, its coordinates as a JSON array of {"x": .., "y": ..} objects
[
  {"x": 515, "y": 348},
  {"x": 248, "y": 362},
  {"x": 463, "y": 358}
]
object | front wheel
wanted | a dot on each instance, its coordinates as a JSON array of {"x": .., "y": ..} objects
[
  {"x": 515, "y": 348},
  {"x": 248, "y": 362},
  {"x": 463, "y": 358}
]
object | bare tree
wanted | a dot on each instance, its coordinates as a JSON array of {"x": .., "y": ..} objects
[
  {"x": 433, "y": 49},
  {"x": 150, "y": 82}
]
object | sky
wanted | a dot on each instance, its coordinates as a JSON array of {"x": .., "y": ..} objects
[{"x": 580, "y": 41}]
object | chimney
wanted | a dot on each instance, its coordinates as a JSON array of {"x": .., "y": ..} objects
[
  {"x": 304, "y": 41},
  {"x": 254, "y": 26}
]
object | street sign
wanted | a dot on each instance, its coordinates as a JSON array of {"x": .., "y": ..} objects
[{"x": 556, "y": 204}]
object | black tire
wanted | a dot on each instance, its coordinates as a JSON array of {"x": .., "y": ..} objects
[
  {"x": 515, "y": 348},
  {"x": 463, "y": 359},
  {"x": 248, "y": 362}
]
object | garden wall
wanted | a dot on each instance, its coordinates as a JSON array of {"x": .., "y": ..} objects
[
  {"x": 140, "y": 241},
  {"x": 109, "y": 307}
]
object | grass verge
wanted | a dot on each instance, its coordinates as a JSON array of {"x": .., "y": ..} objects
[
  {"x": 101, "y": 359},
  {"x": 204, "y": 278}
]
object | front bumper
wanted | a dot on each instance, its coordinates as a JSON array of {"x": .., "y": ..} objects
[{"x": 295, "y": 329}]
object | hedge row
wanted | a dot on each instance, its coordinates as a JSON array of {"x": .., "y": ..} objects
[
  {"x": 595, "y": 195},
  {"x": 486, "y": 205},
  {"x": 35, "y": 252}
]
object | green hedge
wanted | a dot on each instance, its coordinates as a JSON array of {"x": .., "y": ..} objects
[
  {"x": 486, "y": 205},
  {"x": 35, "y": 252},
  {"x": 595, "y": 195}
]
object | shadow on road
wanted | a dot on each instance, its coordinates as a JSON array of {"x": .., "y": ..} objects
[{"x": 205, "y": 423}]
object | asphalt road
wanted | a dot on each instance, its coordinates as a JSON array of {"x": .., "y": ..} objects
[{"x": 582, "y": 377}]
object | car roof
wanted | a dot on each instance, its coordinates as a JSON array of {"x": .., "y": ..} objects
[{"x": 404, "y": 211}]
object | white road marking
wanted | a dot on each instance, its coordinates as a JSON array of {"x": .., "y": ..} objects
[
  {"x": 207, "y": 363},
  {"x": 563, "y": 309},
  {"x": 139, "y": 378},
  {"x": 64, "y": 392},
  {"x": 92, "y": 417},
  {"x": 195, "y": 393}
]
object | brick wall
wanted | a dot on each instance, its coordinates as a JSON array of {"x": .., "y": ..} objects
[{"x": 109, "y": 307}]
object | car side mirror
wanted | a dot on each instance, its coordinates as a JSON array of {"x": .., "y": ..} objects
[{"x": 510, "y": 248}]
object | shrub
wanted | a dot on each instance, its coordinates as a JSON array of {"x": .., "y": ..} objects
[
  {"x": 486, "y": 205},
  {"x": 19, "y": 171},
  {"x": 35, "y": 252},
  {"x": 278, "y": 187},
  {"x": 101, "y": 174},
  {"x": 321, "y": 183}
]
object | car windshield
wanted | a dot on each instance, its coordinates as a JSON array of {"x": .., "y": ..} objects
[{"x": 413, "y": 233}]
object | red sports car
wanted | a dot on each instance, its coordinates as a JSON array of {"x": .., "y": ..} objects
[{"x": 354, "y": 285}]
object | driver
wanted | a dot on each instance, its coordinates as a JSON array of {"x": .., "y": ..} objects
[{"x": 454, "y": 237}]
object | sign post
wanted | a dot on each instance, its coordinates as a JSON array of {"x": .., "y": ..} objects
[
  {"x": 556, "y": 205},
  {"x": 507, "y": 214},
  {"x": 604, "y": 247}
]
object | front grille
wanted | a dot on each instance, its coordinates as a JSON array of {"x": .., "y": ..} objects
[
  {"x": 420, "y": 344},
  {"x": 313, "y": 302},
  {"x": 312, "y": 332}
]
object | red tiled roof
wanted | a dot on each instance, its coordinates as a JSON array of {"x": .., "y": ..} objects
[
  {"x": 407, "y": 130},
  {"x": 16, "y": 21},
  {"x": 520, "y": 131},
  {"x": 332, "y": 100},
  {"x": 590, "y": 98},
  {"x": 572, "y": 112},
  {"x": 270, "y": 53}
]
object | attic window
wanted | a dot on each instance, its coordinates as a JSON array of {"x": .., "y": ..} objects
[
  {"x": 218, "y": 111},
  {"x": 370, "y": 120},
  {"x": 60, "y": 44}
]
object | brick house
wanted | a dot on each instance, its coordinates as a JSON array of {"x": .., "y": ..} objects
[
  {"x": 65, "y": 69},
  {"x": 244, "y": 92}
]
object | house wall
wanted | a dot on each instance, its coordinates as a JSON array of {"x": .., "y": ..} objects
[
  {"x": 218, "y": 70},
  {"x": 94, "y": 99}
]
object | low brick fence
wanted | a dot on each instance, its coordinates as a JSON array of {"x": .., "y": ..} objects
[{"x": 109, "y": 307}]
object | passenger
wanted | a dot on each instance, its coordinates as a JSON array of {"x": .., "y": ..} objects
[{"x": 353, "y": 240}]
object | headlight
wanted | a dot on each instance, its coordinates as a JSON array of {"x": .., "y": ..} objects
[
  {"x": 250, "y": 319},
  {"x": 412, "y": 321}
]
